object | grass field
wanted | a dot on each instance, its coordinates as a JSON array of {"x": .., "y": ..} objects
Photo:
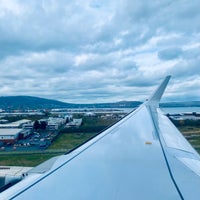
[
  {"x": 189, "y": 130},
  {"x": 192, "y": 134},
  {"x": 28, "y": 160},
  {"x": 70, "y": 140}
]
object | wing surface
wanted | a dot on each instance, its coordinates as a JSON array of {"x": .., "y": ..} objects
[{"x": 143, "y": 156}]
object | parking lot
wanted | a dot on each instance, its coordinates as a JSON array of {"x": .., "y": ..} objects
[{"x": 35, "y": 141}]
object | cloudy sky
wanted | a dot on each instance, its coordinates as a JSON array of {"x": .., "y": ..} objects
[{"x": 98, "y": 50}]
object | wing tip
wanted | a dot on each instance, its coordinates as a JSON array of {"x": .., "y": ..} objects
[{"x": 155, "y": 98}]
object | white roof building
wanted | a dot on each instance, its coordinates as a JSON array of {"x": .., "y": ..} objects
[
  {"x": 8, "y": 134},
  {"x": 16, "y": 124},
  {"x": 75, "y": 122}
]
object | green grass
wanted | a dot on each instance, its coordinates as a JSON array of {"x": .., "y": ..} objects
[
  {"x": 192, "y": 130},
  {"x": 195, "y": 142},
  {"x": 28, "y": 160},
  {"x": 186, "y": 130},
  {"x": 70, "y": 140}
]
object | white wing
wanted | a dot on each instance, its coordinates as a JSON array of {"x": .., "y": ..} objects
[{"x": 143, "y": 156}]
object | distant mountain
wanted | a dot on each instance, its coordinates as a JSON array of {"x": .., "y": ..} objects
[{"x": 29, "y": 102}]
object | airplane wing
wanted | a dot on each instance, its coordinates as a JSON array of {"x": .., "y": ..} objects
[{"x": 143, "y": 156}]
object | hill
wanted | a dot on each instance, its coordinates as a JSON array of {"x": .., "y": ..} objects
[{"x": 29, "y": 102}]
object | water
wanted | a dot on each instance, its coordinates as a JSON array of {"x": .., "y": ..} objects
[
  {"x": 172, "y": 110},
  {"x": 179, "y": 110}
]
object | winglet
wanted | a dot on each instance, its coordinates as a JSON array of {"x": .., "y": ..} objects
[{"x": 155, "y": 98}]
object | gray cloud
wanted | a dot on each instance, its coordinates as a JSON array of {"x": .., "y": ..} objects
[
  {"x": 170, "y": 53},
  {"x": 99, "y": 50}
]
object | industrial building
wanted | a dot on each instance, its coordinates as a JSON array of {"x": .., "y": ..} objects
[
  {"x": 74, "y": 123},
  {"x": 9, "y": 135},
  {"x": 55, "y": 123},
  {"x": 17, "y": 124}
]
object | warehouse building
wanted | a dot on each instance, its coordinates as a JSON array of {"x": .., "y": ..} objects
[
  {"x": 17, "y": 124},
  {"x": 9, "y": 135}
]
